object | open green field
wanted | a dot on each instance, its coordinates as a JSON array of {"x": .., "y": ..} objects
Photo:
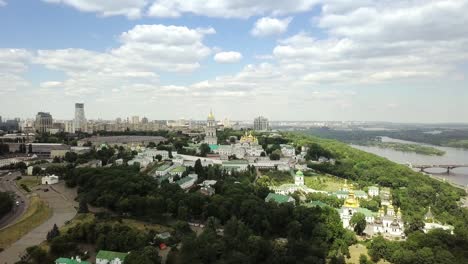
[
  {"x": 29, "y": 181},
  {"x": 324, "y": 182},
  {"x": 140, "y": 225},
  {"x": 38, "y": 212}
]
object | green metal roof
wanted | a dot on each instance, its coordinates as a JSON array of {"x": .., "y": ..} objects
[
  {"x": 341, "y": 192},
  {"x": 179, "y": 169},
  {"x": 110, "y": 255},
  {"x": 365, "y": 212},
  {"x": 299, "y": 173},
  {"x": 236, "y": 162},
  {"x": 69, "y": 261},
  {"x": 278, "y": 198},
  {"x": 163, "y": 167},
  {"x": 360, "y": 193},
  {"x": 214, "y": 147},
  {"x": 184, "y": 180}
]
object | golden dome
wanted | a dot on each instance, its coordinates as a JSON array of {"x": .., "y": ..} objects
[
  {"x": 351, "y": 201},
  {"x": 381, "y": 211},
  {"x": 211, "y": 116}
]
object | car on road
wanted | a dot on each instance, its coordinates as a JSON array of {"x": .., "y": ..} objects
[{"x": 17, "y": 203}]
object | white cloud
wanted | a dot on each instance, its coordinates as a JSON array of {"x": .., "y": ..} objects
[
  {"x": 2, "y": 3},
  {"x": 13, "y": 63},
  {"x": 145, "y": 51},
  {"x": 398, "y": 20},
  {"x": 50, "y": 84},
  {"x": 229, "y": 8},
  {"x": 129, "y": 8},
  {"x": 14, "y": 60},
  {"x": 228, "y": 57},
  {"x": 267, "y": 26}
]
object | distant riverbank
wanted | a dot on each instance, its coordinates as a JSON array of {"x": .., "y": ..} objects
[
  {"x": 458, "y": 176},
  {"x": 415, "y": 148}
]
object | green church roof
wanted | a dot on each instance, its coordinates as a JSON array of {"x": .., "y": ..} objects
[
  {"x": 278, "y": 198},
  {"x": 110, "y": 255},
  {"x": 69, "y": 261},
  {"x": 299, "y": 173},
  {"x": 214, "y": 147}
]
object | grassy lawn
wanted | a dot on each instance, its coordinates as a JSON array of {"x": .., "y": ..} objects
[
  {"x": 140, "y": 225},
  {"x": 143, "y": 226},
  {"x": 29, "y": 181},
  {"x": 356, "y": 251},
  {"x": 324, "y": 182},
  {"x": 79, "y": 219},
  {"x": 38, "y": 212},
  {"x": 279, "y": 177}
]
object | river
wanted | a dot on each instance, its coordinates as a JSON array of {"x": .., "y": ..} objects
[{"x": 452, "y": 156}]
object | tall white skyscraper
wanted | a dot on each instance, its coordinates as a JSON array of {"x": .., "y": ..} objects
[
  {"x": 210, "y": 130},
  {"x": 261, "y": 124},
  {"x": 80, "y": 120}
]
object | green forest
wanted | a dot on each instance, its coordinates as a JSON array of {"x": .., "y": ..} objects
[
  {"x": 241, "y": 227},
  {"x": 451, "y": 138}
]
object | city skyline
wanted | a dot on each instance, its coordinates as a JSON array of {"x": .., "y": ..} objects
[{"x": 398, "y": 61}]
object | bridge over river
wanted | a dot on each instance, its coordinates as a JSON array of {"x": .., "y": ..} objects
[{"x": 448, "y": 167}]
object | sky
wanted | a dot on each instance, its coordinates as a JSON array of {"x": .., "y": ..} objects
[{"x": 365, "y": 60}]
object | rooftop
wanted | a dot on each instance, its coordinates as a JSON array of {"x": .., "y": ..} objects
[
  {"x": 163, "y": 167},
  {"x": 70, "y": 261},
  {"x": 179, "y": 169},
  {"x": 110, "y": 255},
  {"x": 278, "y": 198}
]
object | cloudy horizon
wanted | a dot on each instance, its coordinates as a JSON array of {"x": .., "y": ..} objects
[{"x": 399, "y": 61}]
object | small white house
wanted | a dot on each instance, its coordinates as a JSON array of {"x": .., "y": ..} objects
[
  {"x": 110, "y": 257},
  {"x": 373, "y": 191},
  {"x": 188, "y": 182},
  {"x": 49, "y": 180}
]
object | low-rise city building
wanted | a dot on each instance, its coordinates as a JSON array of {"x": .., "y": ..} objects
[
  {"x": 49, "y": 180},
  {"x": 279, "y": 198},
  {"x": 430, "y": 223},
  {"x": 72, "y": 260},
  {"x": 373, "y": 191},
  {"x": 110, "y": 257},
  {"x": 187, "y": 182}
]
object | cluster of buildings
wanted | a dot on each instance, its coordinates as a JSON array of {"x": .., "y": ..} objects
[
  {"x": 387, "y": 221},
  {"x": 102, "y": 257}
]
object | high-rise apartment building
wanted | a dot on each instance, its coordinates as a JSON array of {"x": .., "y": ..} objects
[
  {"x": 210, "y": 130},
  {"x": 261, "y": 124},
  {"x": 43, "y": 122},
  {"x": 80, "y": 120},
  {"x": 135, "y": 119}
]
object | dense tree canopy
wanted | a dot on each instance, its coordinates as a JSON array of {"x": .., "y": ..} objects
[{"x": 6, "y": 203}]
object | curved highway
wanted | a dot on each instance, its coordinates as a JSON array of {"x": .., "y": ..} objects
[{"x": 7, "y": 184}]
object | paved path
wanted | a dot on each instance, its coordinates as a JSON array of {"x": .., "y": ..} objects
[{"x": 63, "y": 206}]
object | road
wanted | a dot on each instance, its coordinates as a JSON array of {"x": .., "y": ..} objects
[
  {"x": 7, "y": 184},
  {"x": 61, "y": 200}
]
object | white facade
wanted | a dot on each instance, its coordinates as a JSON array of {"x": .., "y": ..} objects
[
  {"x": 288, "y": 150},
  {"x": 210, "y": 130},
  {"x": 49, "y": 180},
  {"x": 299, "y": 178},
  {"x": 430, "y": 226},
  {"x": 373, "y": 191},
  {"x": 80, "y": 123},
  {"x": 105, "y": 261},
  {"x": 187, "y": 182}
]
